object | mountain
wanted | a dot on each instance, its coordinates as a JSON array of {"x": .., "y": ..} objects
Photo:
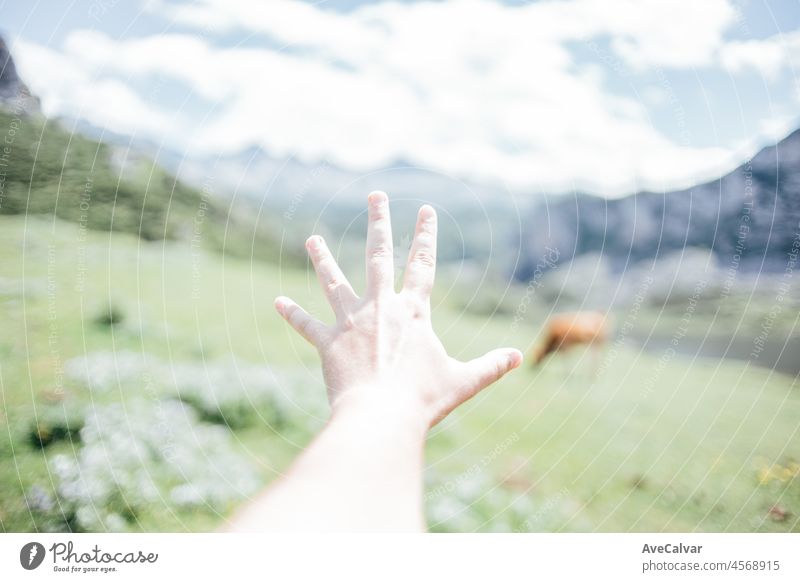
[
  {"x": 478, "y": 221},
  {"x": 14, "y": 94},
  {"x": 749, "y": 219}
]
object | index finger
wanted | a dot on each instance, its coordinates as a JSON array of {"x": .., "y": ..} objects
[{"x": 380, "y": 262}]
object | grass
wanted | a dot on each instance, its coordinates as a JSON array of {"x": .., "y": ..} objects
[{"x": 651, "y": 444}]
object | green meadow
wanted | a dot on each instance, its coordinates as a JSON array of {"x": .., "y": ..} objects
[{"x": 647, "y": 444}]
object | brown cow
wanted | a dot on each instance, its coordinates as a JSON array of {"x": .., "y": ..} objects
[{"x": 566, "y": 330}]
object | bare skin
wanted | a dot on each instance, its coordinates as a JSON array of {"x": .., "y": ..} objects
[{"x": 389, "y": 380}]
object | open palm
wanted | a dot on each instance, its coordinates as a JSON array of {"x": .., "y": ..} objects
[{"x": 382, "y": 348}]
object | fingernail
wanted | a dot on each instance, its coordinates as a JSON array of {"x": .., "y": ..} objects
[
  {"x": 377, "y": 198},
  {"x": 314, "y": 242},
  {"x": 280, "y": 304},
  {"x": 427, "y": 213}
]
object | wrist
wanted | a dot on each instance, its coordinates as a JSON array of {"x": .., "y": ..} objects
[{"x": 381, "y": 408}]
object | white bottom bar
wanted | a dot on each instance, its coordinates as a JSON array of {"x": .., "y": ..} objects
[{"x": 465, "y": 557}]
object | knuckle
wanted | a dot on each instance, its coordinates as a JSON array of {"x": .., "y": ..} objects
[
  {"x": 333, "y": 285},
  {"x": 498, "y": 370},
  {"x": 424, "y": 258},
  {"x": 427, "y": 229},
  {"x": 380, "y": 251},
  {"x": 379, "y": 212}
]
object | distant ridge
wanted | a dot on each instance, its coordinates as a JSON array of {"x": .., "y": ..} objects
[
  {"x": 14, "y": 94},
  {"x": 749, "y": 218}
]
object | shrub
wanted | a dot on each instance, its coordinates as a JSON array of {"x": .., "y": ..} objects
[
  {"x": 237, "y": 394},
  {"x": 110, "y": 315},
  {"x": 142, "y": 455},
  {"x": 55, "y": 423},
  {"x": 103, "y": 370},
  {"x": 227, "y": 392}
]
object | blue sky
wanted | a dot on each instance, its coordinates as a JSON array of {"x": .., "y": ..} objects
[{"x": 609, "y": 96}]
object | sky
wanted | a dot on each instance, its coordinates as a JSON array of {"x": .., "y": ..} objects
[{"x": 606, "y": 96}]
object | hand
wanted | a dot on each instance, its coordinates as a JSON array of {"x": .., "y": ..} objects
[{"x": 382, "y": 350}]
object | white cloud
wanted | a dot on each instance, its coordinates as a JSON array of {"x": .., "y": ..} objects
[
  {"x": 644, "y": 32},
  {"x": 67, "y": 86},
  {"x": 470, "y": 87},
  {"x": 766, "y": 56}
]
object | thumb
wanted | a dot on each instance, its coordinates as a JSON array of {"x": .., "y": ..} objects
[{"x": 492, "y": 366}]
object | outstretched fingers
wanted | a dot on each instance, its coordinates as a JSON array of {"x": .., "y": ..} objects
[
  {"x": 310, "y": 328},
  {"x": 380, "y": 263},
  {"x": 335, "y": 285},
  {"x": 421, "y": 267}
]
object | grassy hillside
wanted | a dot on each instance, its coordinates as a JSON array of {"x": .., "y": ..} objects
[
  {"x": 687, "y": 445},
  {"x": 46, "y": 170}
]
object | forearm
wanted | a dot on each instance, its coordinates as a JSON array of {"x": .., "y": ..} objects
[{"x": 363, "y": 472}]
